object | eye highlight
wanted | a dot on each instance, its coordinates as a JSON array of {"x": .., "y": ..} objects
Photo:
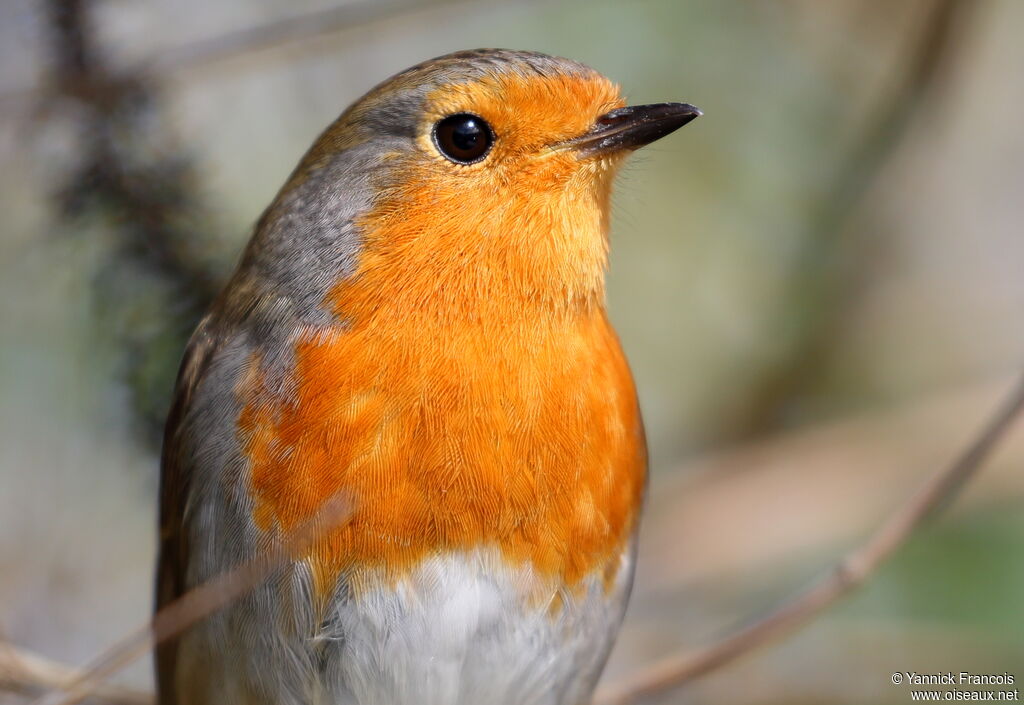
[{"x": 463, "y": 138}]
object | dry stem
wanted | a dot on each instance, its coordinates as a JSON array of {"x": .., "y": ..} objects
[{"x": 199, "y": 603}]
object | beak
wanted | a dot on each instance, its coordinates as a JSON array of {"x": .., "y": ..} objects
[{"x": 632, "y": 127}]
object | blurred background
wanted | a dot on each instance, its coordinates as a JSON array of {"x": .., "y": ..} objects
[{"x": 820, "y": 285}]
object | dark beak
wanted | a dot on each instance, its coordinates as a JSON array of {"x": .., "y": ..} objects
[{"x": 633, "y": 127}]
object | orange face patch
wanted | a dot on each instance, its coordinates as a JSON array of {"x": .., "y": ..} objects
[{"x": 477, "y": 394}]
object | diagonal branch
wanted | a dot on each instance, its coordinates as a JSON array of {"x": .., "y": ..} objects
[
  {"x": 297, "y": 28},
  {"x": 288, "y": 30},
  {"x": 198, "y": 604},
  {"x": 850, "y": 573},
  {"x": 24, "y": 672}
]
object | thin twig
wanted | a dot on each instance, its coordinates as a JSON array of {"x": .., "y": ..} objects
[
  {"x": 275, "y": 33},
  {"x": 201, "y": 602},
  {"x": 850, "y": 573},
  {"x": 28, "y": 673},
  {"x": 288, "y": 30}
]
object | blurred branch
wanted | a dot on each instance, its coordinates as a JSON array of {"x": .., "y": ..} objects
[
  {"x": 133, "y": 191},
  {"x": 805, "y": 491},
  {"x": 288, "y": 30},
  {"x": 27, "y": 673},
  {"x": 849, "y": 574},
  {"x": 150, "y": 195},
  {"x": 199, "y": 603},
  {"x": 818, "y": 281}
]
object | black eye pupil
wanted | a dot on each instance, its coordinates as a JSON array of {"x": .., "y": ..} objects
[
  {"x": 467, "y": 135},
  {"x": 463, "y": 138}
]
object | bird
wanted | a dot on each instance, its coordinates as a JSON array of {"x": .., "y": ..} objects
[{"x": 418, "y": 323}]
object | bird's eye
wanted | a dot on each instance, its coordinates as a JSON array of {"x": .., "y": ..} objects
[{"x": 463, "y": 138}]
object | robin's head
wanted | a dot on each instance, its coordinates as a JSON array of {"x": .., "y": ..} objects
[{"x": 473, "y": 179}]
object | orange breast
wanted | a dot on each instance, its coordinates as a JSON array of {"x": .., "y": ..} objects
[{"x": 532, "y": 443}]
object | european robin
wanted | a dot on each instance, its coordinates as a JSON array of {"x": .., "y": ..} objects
[{"x": 419, "y": 323}]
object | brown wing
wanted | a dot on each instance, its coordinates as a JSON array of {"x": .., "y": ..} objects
[{"x": 174, "y": 480}]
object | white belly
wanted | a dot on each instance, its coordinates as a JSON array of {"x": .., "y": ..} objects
[{"x": 463, "y": 629}]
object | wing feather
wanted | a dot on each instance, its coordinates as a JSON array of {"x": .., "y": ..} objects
[{"x": 175, "y": 477}]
